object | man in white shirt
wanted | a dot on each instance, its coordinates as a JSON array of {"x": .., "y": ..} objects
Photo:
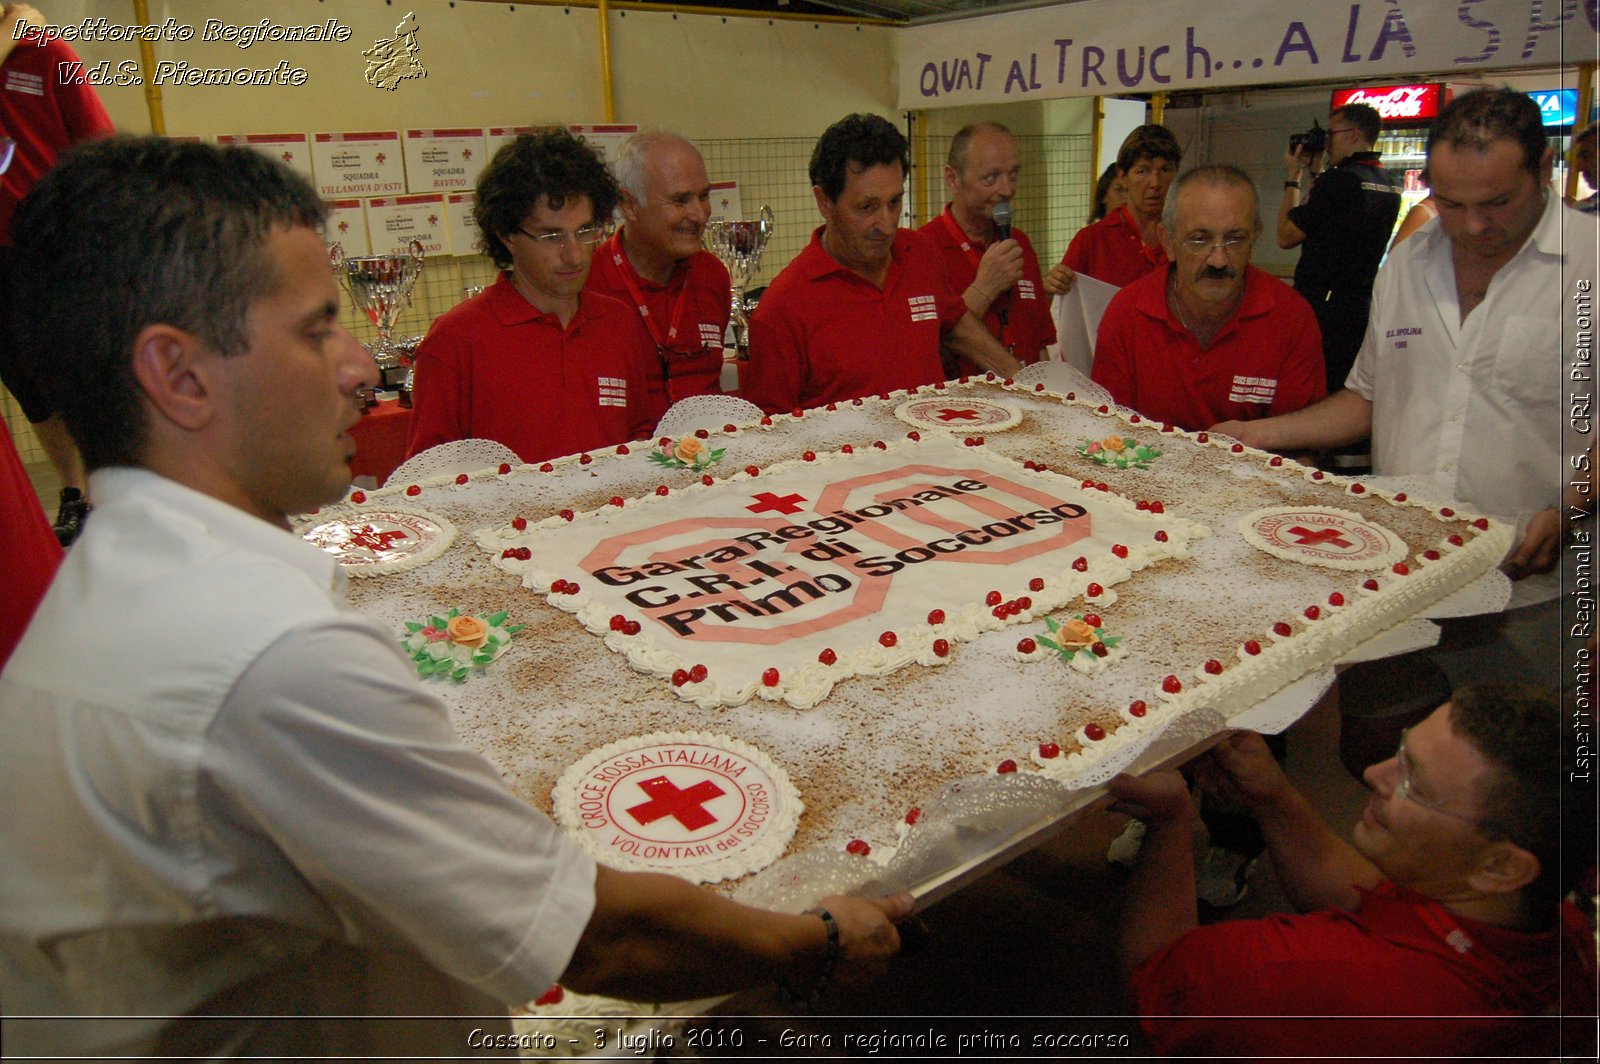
[
  {"x": 1459, "y": 377},
  {"x": 228, "y": 799}
]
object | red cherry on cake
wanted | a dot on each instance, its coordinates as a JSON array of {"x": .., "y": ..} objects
[
  {"x": 1275, "y": 460},
  {"x": 1445, "y": 511},
  {"x": 766, "y": 419},
  {"x": 1049, "y": 751},
  {"x": 413, "y": 491},
  {"x": 1133, "y": 419},
  {"x": 1481, "y": 524},
  {"x": 519, "y": 523},
  {"x": 1214, "y": 667},
  {"x": 913, "y": 815},
  {"x": 567, "y": 515},
  {"x": 622, "y": 449},
  {"x": 1006, "y": 766},
  {"x": 632, "y": 628},
  {"x": 1201, "y": 437},
  {"x": 992, "y": 598},
  {"x": 1094, "y": 590},
  {"x": 1317, "y": 474},
  {"x": 1036, "y": 584},
  {"x": 847, "y": 449},
  {"x": 752, "y": 470},
  {"x": 680, "y": 677},
  {"x": 1399, "y": 496},
  {"x": 1119, "y": 550},
  {"x": 1137, "y": 708},
  {"x": 509, "y": 552},
  {"x": 1172, "y": 685},
  {"x": 707, "y": 479},
  {"x": 617, "y": 621},
  {"x": 1401, "y": 568},
  {"x": 697, "y": 673},
  {"x": 505, "y": 467},
  {"x": 702, "y": 434},
  {"x": 1336, "y": 599},
  {"x": 1313, "y": 612},
  {"x": 558, "y": 587},
  {"x": 914, "y": 436},
  {"x": 1252, "y": 647},
  {"x": 1092, "y": 620},
  {"x": 552, "y": 996},
  {"x": 797, "y": 412},
  {"x": 358, "y": 497},
  {"x": 936, "y": 616},
  {"x": 547, "y": 468},
  {"x": 827, "y": 657},
  {"x": 1358, "y": 489},
  {"x": 572, "y": 588},
  {"x": 1161, "y": 535},
  {"x": 1099, "y": 649},
  {"x": 1102, "y": 486},
  {"x": 1026, "y": 645},
  {"x": 880, "y": 445},
  {"x": 1024, "y": 603},
  {"x": 1370, "y": 584},
  {"x": 662, "y": 490},
  {"x": 941, "y": 648},
  {"x": 1455, "y": 540},
  {"x": 730, "y": 428},
  {"x": 770, "y": 678},
  {"x": 809, "y": 456},
  {"x": 617, "y": 500},
  {"x": 858, "y": 847},
  {"x": 1093, "y": 732},
  {"x": 584, "y": 459},
  {"x": 1237, "y": 448},
  {"x": 1081, "y": 564},
  {"x": 1281, "y": 629},
  {"x": 888, "y": 639}
]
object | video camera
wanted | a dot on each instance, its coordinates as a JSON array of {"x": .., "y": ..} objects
[{"x": 1312, "y": 141}]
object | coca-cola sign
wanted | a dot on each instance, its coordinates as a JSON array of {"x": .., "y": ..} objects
[{"x": 1395, "y": 103}]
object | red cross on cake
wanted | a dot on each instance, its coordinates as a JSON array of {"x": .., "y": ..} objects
[
  {"x": 371, "y": 542},
  {"x": 704, "y": 807},
  {"x": 967, "y": 414},
  {"x": 1337, "y": 539}
]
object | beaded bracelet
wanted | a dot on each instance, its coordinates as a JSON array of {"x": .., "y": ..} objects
[{"x": 829, "y": 960}]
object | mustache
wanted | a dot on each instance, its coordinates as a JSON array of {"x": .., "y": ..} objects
[{"x": 1216, "y": 273}]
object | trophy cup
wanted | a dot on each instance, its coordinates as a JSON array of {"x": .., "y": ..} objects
[
  {"x": 739, "y": 245},
  {"x": 380, "y": 286}
]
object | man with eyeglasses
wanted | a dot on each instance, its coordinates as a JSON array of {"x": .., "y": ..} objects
[
  {"x": 992, "y": 265},
  {"x": 1438, "y": 930},
  {"x": 534, "y": 361},
  {"x": 1209, "y": 337},
  {"x": 1342, "y": 231},
  {"x": 655, "y": 264}
]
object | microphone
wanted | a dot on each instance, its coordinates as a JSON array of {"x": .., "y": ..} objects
[{"x": 1002, "y": 219}]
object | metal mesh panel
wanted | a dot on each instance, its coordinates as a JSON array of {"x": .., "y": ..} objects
[{"x": 772, "y": 172}]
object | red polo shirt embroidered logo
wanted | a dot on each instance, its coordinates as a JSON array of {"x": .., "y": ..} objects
[
  {"x": 923, "y": 308},
  {"x": 1253, "y": 390},
  {"x": 613, "y": 391},
  {"x": 710, "y": 334},
  {"x": 1025, "y": 289}
]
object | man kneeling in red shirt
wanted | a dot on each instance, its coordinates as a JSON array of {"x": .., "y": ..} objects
[{"x": 1438, "y": 931}]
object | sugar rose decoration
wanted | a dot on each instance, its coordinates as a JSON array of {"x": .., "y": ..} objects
[
  {"x": 457, "y": 644},
  {"x": 1119, "y": 452},
  {"x": 686, "y": 452}
]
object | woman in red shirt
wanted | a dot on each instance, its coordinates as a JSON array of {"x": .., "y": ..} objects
[{"x": 1124, "y": 245}]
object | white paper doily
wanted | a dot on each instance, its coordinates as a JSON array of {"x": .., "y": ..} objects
[
  {"x": 378, "y": 542},
  {"x": 710, "y": 412},
  {"x": 448, "y": 459},
  {"x": 1063, "y": 378}
]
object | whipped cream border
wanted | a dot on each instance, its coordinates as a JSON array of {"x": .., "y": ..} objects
[{"x": 766, "y": 846}]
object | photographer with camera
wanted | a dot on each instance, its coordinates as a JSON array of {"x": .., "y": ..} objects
[{"x": 1342, "y": 228}]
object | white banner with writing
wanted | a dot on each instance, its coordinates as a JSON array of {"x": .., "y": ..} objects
[{"x": 1106, "y": 47}]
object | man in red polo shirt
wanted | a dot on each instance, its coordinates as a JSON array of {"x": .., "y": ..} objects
[
  {"x": 535, "y": 361},
  {"x": 1439, "y": 930},
  {"x": 655, "y": 264},
  {"x": 993, "y": 267},
  {"x": 864, "y": 307},
  {"x": 1126, "y": 244},
  {"x": 1210, "y": 338},
  {"x": 46, "y": 106}
]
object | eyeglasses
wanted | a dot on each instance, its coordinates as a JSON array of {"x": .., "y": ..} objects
[
  {"x": 1407, "y": 786},
  {"x": 1204, "y": 245},
  {"x": 1335, "y": 132},
  {"x": 585, "y": 237}
]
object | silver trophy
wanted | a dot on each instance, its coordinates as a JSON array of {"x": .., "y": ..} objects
[
  {"x": 380, "y": 287},
  {"x": 739, "y": 245}
]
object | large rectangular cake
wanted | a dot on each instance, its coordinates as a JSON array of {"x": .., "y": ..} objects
[{"x": 904, "y": 591}]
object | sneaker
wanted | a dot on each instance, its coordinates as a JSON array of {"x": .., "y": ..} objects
[
  {"x": 1221, "y": 880},
  {"x": 70, "y": 516},
  {"x": 1124, "y": 849}
]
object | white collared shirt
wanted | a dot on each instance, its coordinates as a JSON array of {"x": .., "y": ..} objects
[
  {"x": 220, "y": 779},
  {"x": 1477, "y": 404}
]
